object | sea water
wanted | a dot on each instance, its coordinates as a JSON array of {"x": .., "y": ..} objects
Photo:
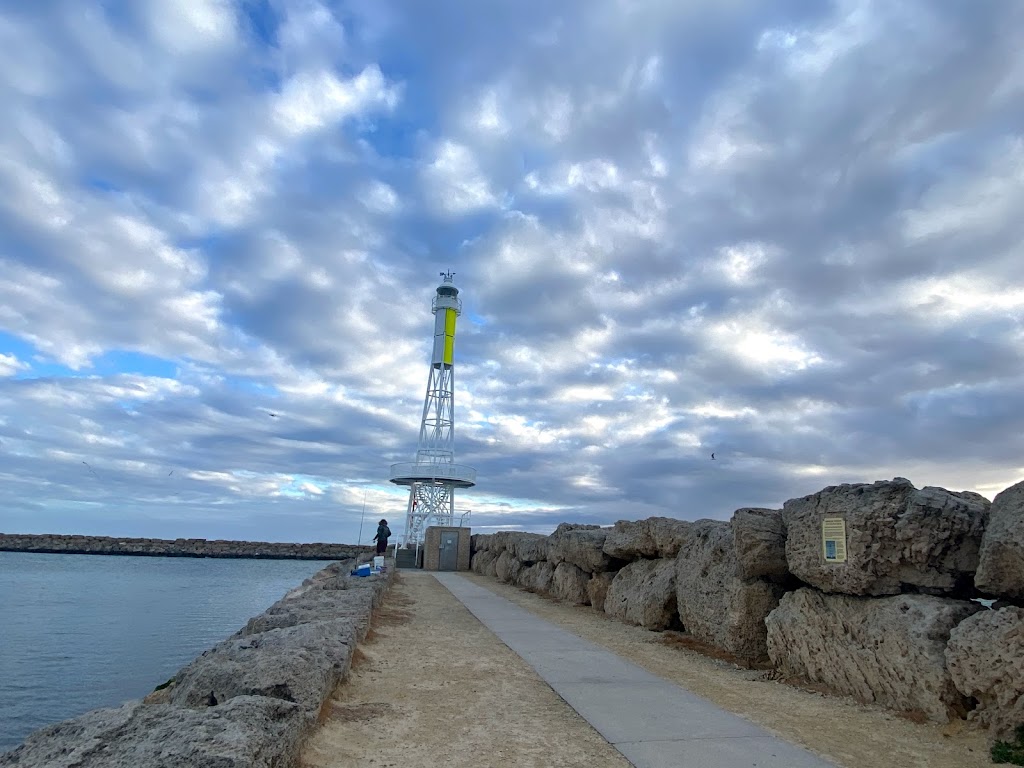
[{"x": 79, "y": 632}]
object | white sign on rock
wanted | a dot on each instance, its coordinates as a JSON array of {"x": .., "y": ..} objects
[{"x": 833, "y": 539}]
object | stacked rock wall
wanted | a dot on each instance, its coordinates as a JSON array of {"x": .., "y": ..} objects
[
  {"x": 889, "y": 615},
  {"x": 248, "y": 702}
]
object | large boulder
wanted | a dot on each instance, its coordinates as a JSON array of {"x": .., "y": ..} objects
[
  {"x": 653, "y": 537},
  {"x": 579, "y": 545},
  {"x": 490, "y": 566},
  {"x": 246, "y": 732},
  {"x": 300, "y": 664},
  {"x": 1001, "y": 566},
  {"x": 507, "y": 567},
  {"x": 888, "y": 651},
  {"x": 985, "y": 656},
  {"x": 354, "y": 605},
  {"x": 480, "y": 542},
  {"x": 502, "y": 541},
  {"x": 481, "y": 560},
  {"x": 531, "y": 547},
  {"x": 715, "y": 605},
  {"x": 569, "y": 583},
  {"x": 525, "y": 576},
  {"x": 896, "y": 537},
  {"x": 529, "y": 574},
  {"x": 543, "y": 576},
  {"x": 760, "y": 539},
  {"x": 597, "y": 589},
  {"x": 644, "y": 593}
]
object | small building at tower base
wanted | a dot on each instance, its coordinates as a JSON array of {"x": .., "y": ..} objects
[{"x": 446, "y": 548}]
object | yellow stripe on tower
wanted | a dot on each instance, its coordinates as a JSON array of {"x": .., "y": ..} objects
[{"x": 449, "y": 335}]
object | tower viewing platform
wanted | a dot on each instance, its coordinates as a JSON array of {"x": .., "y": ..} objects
[{"x": 410, "y": 472}]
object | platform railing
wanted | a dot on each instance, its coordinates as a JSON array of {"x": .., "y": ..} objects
[{"x": 431, "y": 471}]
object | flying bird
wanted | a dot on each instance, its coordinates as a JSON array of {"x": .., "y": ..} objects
[
  {"x": 91, "y": 470},
  {"x": 272, "y": 415},
  {"x": 170, "y": 473},
  {"x": 712, "y": 457}
]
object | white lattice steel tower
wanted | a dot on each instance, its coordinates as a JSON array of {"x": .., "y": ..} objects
[{"x": 434, "y": 476}]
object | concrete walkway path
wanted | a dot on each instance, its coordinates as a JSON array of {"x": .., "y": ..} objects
[{"x": 652, "y": 722}]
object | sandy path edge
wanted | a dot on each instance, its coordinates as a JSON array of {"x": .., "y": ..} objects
[
  {"x": 847, "y": 732},
  {"x": 431, "y": 686}
]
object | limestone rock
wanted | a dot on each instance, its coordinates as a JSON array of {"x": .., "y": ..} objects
[
  {"x": 543, "y": 577},
  {"x": 507, "y": 567},
  {"x": 480, "y": 560},
  {"x": 580, "y": 546},
  {"x": 896, "y": 535},
  {"x": 567, "y": 527},
  {"x": 531, "y": 547},
  {"x": 1001, "y": 566},
  {"x": 652, "y": 537},
  {"x": 715, "y": 605},
  {"x": 500, "y": 541},
  {"x": 886, "y": 650},
  {"x": 328, "y": 596},
  {"x": 480, "y": 542},
  {"x": 490, "y": 566},
  {"x": 569, "y": 583},
  {"x": 535, "y": 577},
  {"x": 526, "y": 577},
  {"x": 300, "y": 664},
  {"x": 597, "y": 589},
  {"x": 246, "y": 732},
  {"x": 644, "y": 593},
  {"x": 760, "y": 539},
  {"x": 985, "y": 656},
  {"x": 355, "y": 605}
]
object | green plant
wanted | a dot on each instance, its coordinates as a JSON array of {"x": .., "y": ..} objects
[
  {"x": 1010, "y": 752},
  {"x": 163, "y": 685}
]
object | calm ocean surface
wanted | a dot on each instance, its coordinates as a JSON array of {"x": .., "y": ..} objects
[{"x": 79, "y": 632}]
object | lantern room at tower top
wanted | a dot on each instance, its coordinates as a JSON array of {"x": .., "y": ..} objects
[{"x": 433, "y": 477}]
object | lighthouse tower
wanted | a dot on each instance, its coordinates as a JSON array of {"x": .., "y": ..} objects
[{"x": 434, "y": 476}]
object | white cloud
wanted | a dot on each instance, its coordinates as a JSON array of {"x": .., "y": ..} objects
[
  {"x": 311, "y": 101},
  {"x": 10, "y": 365},
  {"x": 725, "y": 137},
  {"x": 453, "y": 181},
  {"x": 975, "y": 205},
  {"x": 487, "y": 117},
  {"x": 762, "y": 347},
  {"x": 380, "y": 198},
  {"x": 188, "y": 27}
]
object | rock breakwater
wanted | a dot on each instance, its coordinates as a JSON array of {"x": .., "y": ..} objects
[
  {"x": 106, "y": 545},
  {"x": 872, "y": 590},
  {"x": 247, "y": 702}
]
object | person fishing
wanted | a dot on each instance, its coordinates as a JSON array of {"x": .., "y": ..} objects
[{"x": 383, "y": 533}]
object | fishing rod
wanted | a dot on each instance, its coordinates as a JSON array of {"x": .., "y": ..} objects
[{"x": 361, "y": 516}]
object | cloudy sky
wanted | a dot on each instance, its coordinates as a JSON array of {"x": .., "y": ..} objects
[{"x": 786, "y": 232}]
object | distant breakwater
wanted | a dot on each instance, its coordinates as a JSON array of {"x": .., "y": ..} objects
[{"x": 105, "y": 545}]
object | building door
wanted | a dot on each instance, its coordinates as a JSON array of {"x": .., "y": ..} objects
[{"x": 449, "y": 560}]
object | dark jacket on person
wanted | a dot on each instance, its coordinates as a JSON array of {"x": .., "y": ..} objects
[{"x": 383, "y": 533}]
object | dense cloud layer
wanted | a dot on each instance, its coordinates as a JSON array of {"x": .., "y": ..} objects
[{"x": 788, "y": 233}]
